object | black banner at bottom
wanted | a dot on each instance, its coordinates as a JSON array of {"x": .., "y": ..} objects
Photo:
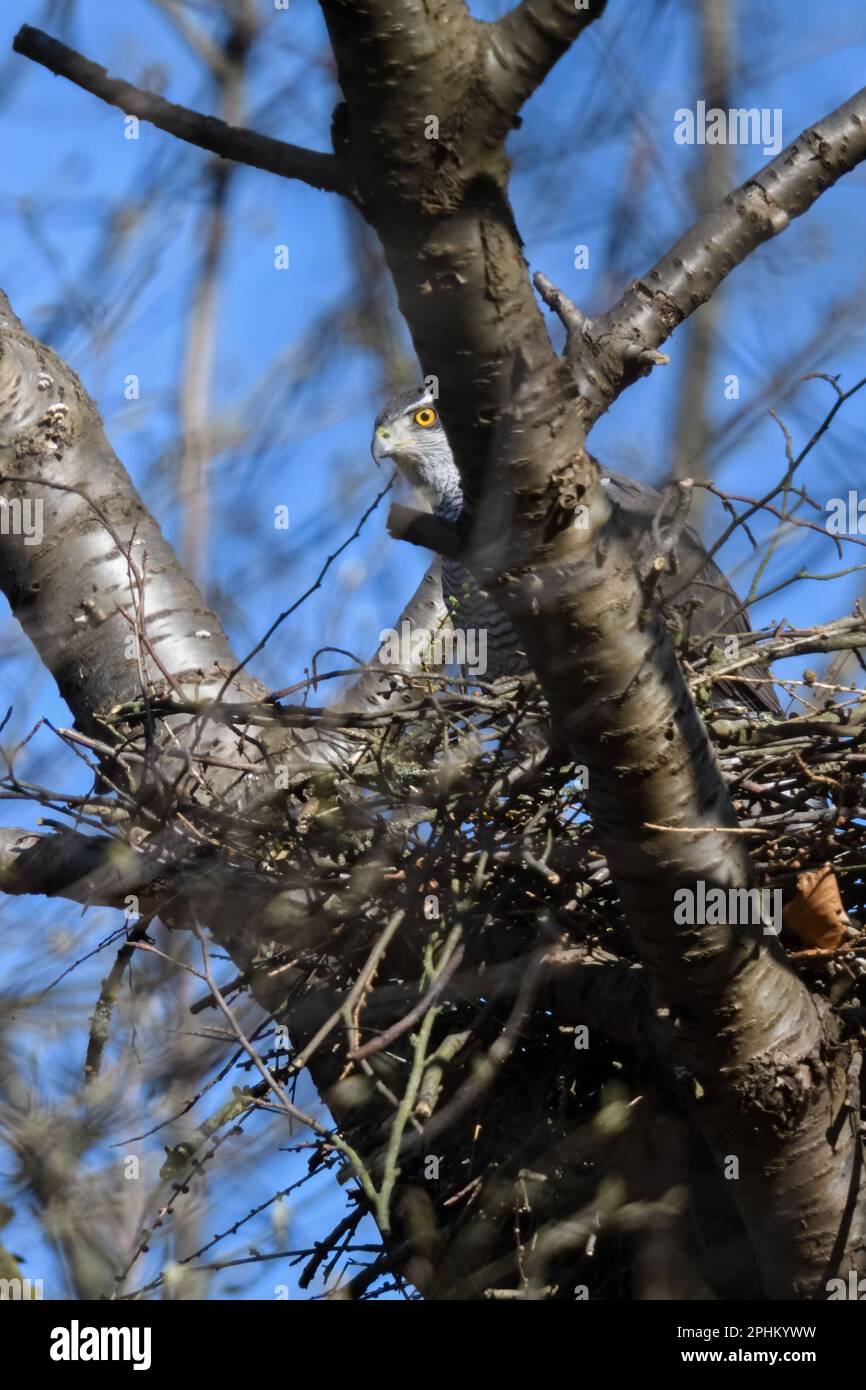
[{"x": 64, "y": 1339}]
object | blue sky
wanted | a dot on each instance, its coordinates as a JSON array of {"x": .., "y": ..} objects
[{"x": 296, "y": 422}]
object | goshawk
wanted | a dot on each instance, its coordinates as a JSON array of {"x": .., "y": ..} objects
[{"x": 409, "y": 431}]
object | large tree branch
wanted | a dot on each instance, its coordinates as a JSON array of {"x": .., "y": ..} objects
[
  {"x": 608, "y": 353},
  {"x": 527, "y": 42},
  {"x": 102, "y": 597},
  {"x": 439, "y": 201},
  {"x": 319, "y": 170},
  {"x": 247, "y": 911},
  {"x": 743, "y": 1020},
  {"x": 743, "y": 1025},
  {"x": 89, "y": 869}
]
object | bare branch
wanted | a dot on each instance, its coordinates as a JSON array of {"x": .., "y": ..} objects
[
  {"x": 318, "y": 169},
  {"x": 611, "y": 351},
  {"x": 530, "y": 39},
  {"x": 83, "y": 868}
]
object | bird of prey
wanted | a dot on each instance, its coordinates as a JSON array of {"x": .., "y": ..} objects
[{"x": 409, "y": 431}]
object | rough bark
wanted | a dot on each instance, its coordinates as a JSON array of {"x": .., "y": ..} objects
[
  {"x": 609, "y": 351},
  {"x": 772, "y": 1083},
  {"x": 768, "y": 1066}
]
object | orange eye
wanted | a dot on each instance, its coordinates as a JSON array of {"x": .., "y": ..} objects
[{"x": 425, "y": 417}]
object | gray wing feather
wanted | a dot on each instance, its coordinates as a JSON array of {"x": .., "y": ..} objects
[{"x": 708, "y": 606}]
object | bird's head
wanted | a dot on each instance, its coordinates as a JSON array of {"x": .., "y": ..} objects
[{"x": 409, "y": 431}]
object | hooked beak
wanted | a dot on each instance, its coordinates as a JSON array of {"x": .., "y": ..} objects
[{"x": 383, "y": 445}]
